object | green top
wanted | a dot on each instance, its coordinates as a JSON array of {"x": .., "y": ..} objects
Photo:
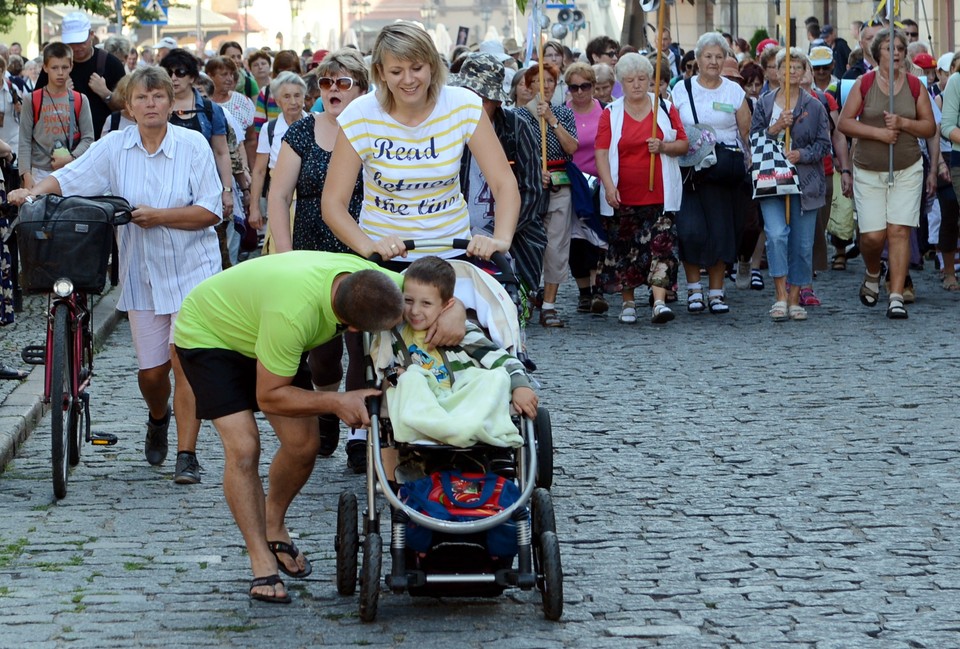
[
  {"x": 951, "y": 108},
  {"x": 272, "y": 308}
]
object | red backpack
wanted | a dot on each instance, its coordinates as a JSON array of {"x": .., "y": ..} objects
[
  {"x": 76, "y": 103},
  {"x": 867, "y": 79}
]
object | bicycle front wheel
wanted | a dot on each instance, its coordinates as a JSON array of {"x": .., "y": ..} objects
[{"x": 61, "y": 398}]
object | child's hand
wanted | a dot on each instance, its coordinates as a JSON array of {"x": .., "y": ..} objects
[{"x": 525, "y": 400}]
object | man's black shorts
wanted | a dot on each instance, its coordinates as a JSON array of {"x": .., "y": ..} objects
[{"x": 224, "y": 382}]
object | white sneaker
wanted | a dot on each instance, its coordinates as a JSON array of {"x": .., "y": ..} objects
[{"x": 743, "y": 275}]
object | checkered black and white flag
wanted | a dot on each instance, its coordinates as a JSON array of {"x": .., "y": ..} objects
[{"x": 772, "y": 173}]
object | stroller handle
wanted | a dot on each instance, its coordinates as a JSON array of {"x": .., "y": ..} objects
[{"x": 507, "y": 276}]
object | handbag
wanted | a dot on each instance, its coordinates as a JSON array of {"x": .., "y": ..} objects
[
  {"x": 729, "y": 168},
  {"x": 462, "y": 497},
  {"x": 772, "y": 174}
]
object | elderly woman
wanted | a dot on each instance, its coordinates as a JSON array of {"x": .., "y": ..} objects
[
  {"x": 553, "y": 54},
  {"x": 603, "y": 86},
  {"x": 887, "y": 211},
  {"x": 302, "y": 166},
  {"x": 712, "y": 211},
  {"x": 9, "y": 111},
  {"x": 641, "y": 231},
  {"x": 224, "y": 73},
  {"x": 288, "y": 90},
  {"x": 949, "y": 169},
  {"x": 168, "y": 248},
  {"x": 790, "y": 245},
  {"x": 562, "y": 143}
]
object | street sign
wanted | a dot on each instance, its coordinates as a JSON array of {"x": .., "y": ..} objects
[{"x": 158, "y": 6}]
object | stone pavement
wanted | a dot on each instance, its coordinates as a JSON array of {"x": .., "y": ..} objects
[{"x": 721, "y": 481}]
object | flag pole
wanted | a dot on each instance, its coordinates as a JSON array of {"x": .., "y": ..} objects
[
  {"x": 786, "y": 98},
  {"x": 891, "y": 16},
  {"x": 656, "y": 88}
]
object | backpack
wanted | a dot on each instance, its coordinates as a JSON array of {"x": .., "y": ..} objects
[
  {"x": 76, "y": 103},
  {"x": 866, "y": 81},
  {"x": 271, "y": 128},
  {"x": 822, "y": 96}
]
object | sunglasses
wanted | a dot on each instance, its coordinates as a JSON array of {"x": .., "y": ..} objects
[
  {"x": 611, "y": 53},
  {"x": 580, "y": 87},
  {"x": 179, "y": 72},
  {"x": 913, "y": 34},
  {"x": 343, "y": 83}
]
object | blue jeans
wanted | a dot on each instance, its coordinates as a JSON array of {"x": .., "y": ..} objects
[{"x": 789, "y": 247}]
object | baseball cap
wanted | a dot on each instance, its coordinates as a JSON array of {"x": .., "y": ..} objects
[
  {"x": 167, "y": 42},
  {"x": 765, "y": 43},
  {"x": 943, "y": 63},
  {"x": 924, "y": 61},
  {"x": 75, "y": 28},
  {"x": 821, "y": 55},
  {"x": 482, "y": 73},
  {"x": 826, "y": 30}
]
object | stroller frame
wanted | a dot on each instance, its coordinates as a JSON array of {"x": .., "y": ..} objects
[{"x": 538, "y": 556}]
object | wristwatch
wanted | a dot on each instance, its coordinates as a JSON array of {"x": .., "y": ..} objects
[
  {"x": 845, "y": 171},
  {"x": 556, "y": 126},
  {"x": 107, "y": 99},
  {"x": 228, "y": 190}
]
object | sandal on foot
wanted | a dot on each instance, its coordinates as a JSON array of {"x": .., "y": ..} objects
[
  {"x": 868, "y": 296},
  {"x": 278, "y": 548},
  {"x": 583, "y": 304},
  {"x": 950, "y": 283},
  {"x": 550, "y": 318},
  {"x": 756, "y": 280},
  {"x": 895, "y": 308},
  {"x": 718, "y": 305},
  {"x": 598, "y": 305},
  {"x": 628, "y": 314},
  {"x": 661, "y": 314},
  {"x": 797, "y": 312},
  {"x": 272, "y": 580},
  {"x": 778, "y": 312},
  {"x": 839, "y": 262},
  {"x": 695, "y": 301}
]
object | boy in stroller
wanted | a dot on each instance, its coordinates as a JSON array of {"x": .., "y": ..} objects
[{"x": 454, "y": 395}]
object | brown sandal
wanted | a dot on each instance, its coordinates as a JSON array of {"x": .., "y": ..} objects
[
  {"x": 550, "y": 318},
  {"x": 839, "y": 262}
]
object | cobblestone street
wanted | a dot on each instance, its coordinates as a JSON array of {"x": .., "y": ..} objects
[{"x": 721, "y": 481}]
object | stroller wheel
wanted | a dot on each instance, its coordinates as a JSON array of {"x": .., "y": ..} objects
[
  {"x": 543, "y": 433},
  {"x": 551, "y": 581},
  {"x": 543, "y": 518},
  {"x": 347, "y": 544},
  {"x": 370, "y": 577}
]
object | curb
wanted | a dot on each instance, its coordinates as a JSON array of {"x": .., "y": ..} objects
[{"x": 23, "y": 409}]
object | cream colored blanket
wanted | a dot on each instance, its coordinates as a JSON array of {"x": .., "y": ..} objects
[{"x": 476, "y": 410}]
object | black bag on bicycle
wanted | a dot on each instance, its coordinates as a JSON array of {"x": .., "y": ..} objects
[{"x": 68, "y": 237}]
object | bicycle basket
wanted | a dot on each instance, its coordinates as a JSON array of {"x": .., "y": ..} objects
[{"x": 67, "y": 237}]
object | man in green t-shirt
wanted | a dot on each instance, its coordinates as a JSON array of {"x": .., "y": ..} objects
[{"x": 241, "y": 337}]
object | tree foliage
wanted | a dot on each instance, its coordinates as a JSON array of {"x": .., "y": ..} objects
[{"x": 133, "y": 11}]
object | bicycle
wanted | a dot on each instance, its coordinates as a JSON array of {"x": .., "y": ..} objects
[{"x": 49, "y": 248}]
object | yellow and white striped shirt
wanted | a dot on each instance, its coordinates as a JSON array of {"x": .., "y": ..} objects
[{"x": 411, "y": 174}]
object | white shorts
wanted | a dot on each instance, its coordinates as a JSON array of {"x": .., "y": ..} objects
[
  {"x": 879, "y": 204},
  {"x": 152, "y": 337}
]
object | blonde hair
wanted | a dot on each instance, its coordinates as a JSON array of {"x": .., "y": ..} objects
[
  {"x": 407, "y": 42},
  {"x": 345, "y": 61}
]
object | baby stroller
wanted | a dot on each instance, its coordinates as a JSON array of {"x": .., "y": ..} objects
[{"x": 458, "y": 558}]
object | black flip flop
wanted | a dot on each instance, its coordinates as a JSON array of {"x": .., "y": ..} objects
[
  {"x": 279, "y": 547},
  {"x": 272, "y": 580}
]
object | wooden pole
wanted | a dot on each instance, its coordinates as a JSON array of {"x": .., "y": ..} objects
[
  {"x": 543, "y": 121},
  {"x": 786, "y": 100},
  {"x": 656, "y": 88}
]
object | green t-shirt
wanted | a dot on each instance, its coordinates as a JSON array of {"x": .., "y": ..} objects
[{"x": 272, "y": 308}]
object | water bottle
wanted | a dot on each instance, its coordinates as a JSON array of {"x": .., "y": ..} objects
[{"x": 60, "y": 149}]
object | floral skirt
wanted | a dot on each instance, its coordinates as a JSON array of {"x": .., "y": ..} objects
[{"x": 642, "y": 249}]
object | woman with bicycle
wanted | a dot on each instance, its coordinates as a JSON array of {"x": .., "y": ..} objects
[{"x": 170, "y": 246}]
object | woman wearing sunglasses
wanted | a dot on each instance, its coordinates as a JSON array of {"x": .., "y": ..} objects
[
  {"x": 585, "y": 253},
  {"x": 302, "y": 165},
  {"x": 192, "y": 111}
]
